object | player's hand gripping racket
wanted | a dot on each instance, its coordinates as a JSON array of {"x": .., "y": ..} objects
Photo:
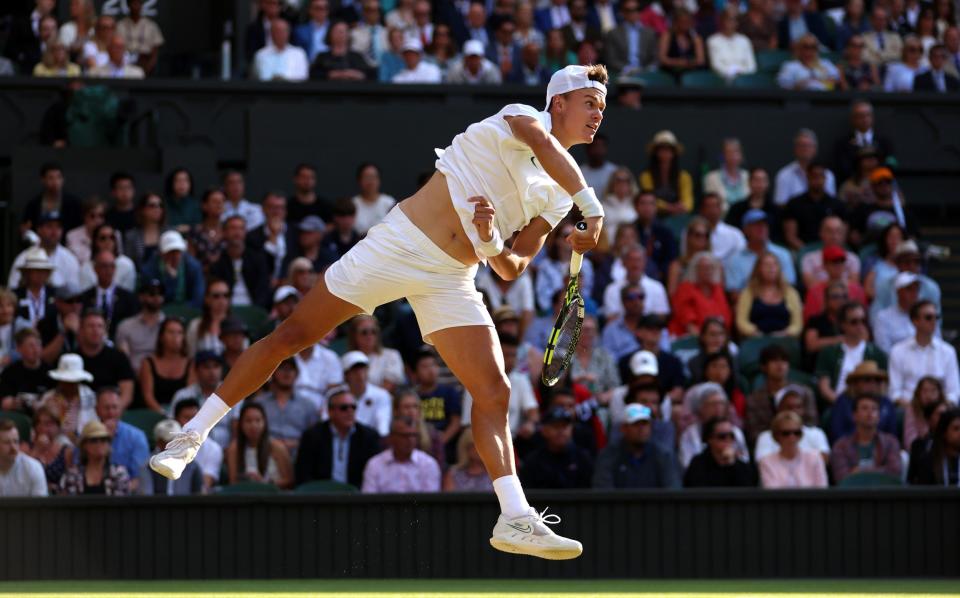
[{"x": 566, "y": 330}]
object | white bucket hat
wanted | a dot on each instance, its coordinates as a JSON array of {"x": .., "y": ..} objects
[
  {"x": 571, "y": 78},
  {"x": 36, "y": 259},
  {"x": 70, "y": 369}
]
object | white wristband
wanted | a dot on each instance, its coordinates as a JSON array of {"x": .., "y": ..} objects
[
  {"x": 493, "y": 247},
  {"x": 586, "y": 200}
]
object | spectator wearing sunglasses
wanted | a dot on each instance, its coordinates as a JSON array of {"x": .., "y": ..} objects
[
  {"x": 900, "y": 75},
  {"x": 921, "y": 355},
  {"x": 339, "y": 448},
  {"x": 836, "y": 362},
  {"x": 717, "y": 465},
  {"x": 791, "y": 466},
  {"x": 386, "y": 364}
]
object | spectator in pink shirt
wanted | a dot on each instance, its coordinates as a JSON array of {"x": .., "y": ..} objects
[
  {"x": 402, "y": 467},
  {"x": 791, "y": 466}
]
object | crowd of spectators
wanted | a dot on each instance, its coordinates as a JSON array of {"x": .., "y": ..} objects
[
  {"x": 749, "y": 328},
  {"x": 891, "y": 45}
]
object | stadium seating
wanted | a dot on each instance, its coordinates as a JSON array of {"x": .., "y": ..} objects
[
  {"x": 655, "y": 79},
  {"x": 144, "y": 419},
  {"x": 755, "y": 81},
  {"x": 751, "y": 348},
  {"x": 703, "y": 79},
  {"x": 770, "y": 61},
  {"x": 182, "y": 311},
  {"x": 869, "y": 479},
  {"x": 24, "y": 425}
]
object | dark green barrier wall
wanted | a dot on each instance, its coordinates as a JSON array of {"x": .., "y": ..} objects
[{"x": 690, "y": 534}]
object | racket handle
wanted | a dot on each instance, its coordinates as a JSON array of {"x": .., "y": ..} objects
[{"x": 576, "y": 259}]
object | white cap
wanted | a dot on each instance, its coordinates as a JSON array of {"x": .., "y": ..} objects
[
  {"x": 353, "y": 358},
  {"x": 412, "y": 44},
  {"x": 636, "y": 412},
  {"x": 285, "y": 292},
  {"x": 166, "y": 429},
  {"x": 172, "y": 241},
  {"x": 570, "y": 78},
  {"x": 474, "y": 47},
  {"x": 644, "y": 363},
  {"x": 905, "y": 279}
]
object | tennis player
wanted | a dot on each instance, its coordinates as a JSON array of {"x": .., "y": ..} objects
[{"x": 510, "y": 173}]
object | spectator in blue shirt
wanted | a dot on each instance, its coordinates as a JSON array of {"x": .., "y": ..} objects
[
  {"x": 129, "y": 446},
  {"x": 737, "y": 267},
  {"x": 635, "y": 462},
  {"x": 312, "y": 35}
]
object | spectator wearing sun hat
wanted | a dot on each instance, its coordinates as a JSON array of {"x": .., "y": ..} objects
[
  {"x": 95, "y": 474},
  {"x": 416, "y": 69},
  {"x": 635, "y": 462},
  {"x": 179, "y": 273},
  {"x": 63, "y": 265},
  {"x": 72, "y": 399},
  {"x": 674, "y": 193},
  {"x": 474, "y": 68},
  {"x": 36, "y": 295},
  {"x": 374, "y": 404}
]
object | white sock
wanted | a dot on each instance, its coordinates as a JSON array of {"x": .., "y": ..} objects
[
  {"x": 212, "y": 411},
  {"x": 513, "y": 503}
]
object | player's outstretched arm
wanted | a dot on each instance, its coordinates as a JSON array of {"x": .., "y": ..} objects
[{"x": 560, "y": 165}]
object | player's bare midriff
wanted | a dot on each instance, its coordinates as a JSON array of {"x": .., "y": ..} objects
[{"x": 431, "y": 210}]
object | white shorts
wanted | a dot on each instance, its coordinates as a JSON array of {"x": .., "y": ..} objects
[{"x": 397, "y": 260}]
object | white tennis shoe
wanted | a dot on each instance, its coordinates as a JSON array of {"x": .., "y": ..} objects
[
  {"x": 179, "y": 452},
  {"x": 530, "y": 535}
]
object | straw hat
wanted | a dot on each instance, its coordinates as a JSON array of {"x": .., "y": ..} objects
[
  {"x": 665, "y": 138},
  {"x": 36, "y": 259},
  {"x": 93, "y": 429},
  {"x": 866, "y": 369}
]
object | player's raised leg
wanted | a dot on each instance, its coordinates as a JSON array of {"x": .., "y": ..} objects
[
  {"x": 473, "y": 355},
  {"x": 316, "y": 315}
]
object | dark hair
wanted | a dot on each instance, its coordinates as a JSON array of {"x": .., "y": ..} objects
[
  {"x": 929, "y": 408},
  {"x": 865, "y": 397},
  {"x": 270, "y": 194},
  {"x": 118, "y": 176},
  {"x": 940, "y": 442},
  {"x": 708, "y": 322},
  {"x": 363, "y": 166},
  {"x": 93, "y": 312},
  {"x": 424, "y": 354},
  {"x": 167, "y": 322},
  {"x": 208, "y": 192},
  {"x": 915, "y": 400},
  {"x": 848, "y": 307},
  {"x": 773, "y": 352},
  {"x": 108, "y": 390},
  {"x": 916, "y": 307},
  {"x": 344, "y": 207},
  {"x": 48, "y": 166},
  {"x": 882, "y": 250},
  {"x": 228, "y": 173},
  {"x": 7, "y": 424},
  {"x": 92, "y": 203},
  {"x": 303, "y": 166},
  {"x": 654, "y": 167},
  {"x": 730, "y": 384},
  {"x": 263, "y": 443},
  {"x": 558, "y": 391},
  {"x": 234, "y": 217},
  {"x": 184, "y": 404},
  {"x": 206, "y": 318},
  {"x": 814, "y": 164},
  {"x": 23, "y": 334},
  {"x": 706, "y": 432},
  {"x": 143, "y": 204},
  {"x": 509, "y": 340},
  {"x": 168, "y": 184},
  {"x": 637, "y": 388},
  {"x": 96, "y": 233}
]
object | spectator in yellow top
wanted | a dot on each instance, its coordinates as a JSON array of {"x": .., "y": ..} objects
[
  {"x": 769, "y": 305},
  {"x": 664, "y": 178}
]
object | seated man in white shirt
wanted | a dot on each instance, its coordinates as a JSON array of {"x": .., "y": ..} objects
[
  {"x": 655, "y": 295},
  {"x": 20, "y": 474},
  {"x": 416, "y": 69},
  {"x": 280, "y": 60},
  {"x": 374, "y": 404},
  {"x": 725, "y": 240},
  {"x": 792, "y": 179},
  {"x": 116, "y": 66},
  {"x": 892, "y": 324},
  {"x": 923, "y": 355},
  {"x": 731, "y": 53}
]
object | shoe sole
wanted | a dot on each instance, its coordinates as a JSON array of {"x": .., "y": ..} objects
[
  {"x": 163, "y": 469},
  {"x": 552, "y": 554}
]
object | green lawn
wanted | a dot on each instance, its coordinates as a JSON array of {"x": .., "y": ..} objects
[{"x": 487, "y": 588}]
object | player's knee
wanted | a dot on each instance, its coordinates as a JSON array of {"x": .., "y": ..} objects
[{"x": 495, "y": 394}]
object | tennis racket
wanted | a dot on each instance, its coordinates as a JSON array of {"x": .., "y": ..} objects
[{"x": 566, "y": 330}]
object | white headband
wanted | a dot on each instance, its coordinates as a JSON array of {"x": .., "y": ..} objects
[{"x": 571, "y": 78}]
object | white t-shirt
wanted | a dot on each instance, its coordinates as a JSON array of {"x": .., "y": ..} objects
[
  {"x": 813, "y": 440},
  {"x": 375, "y": 408},
  {"x": 852, "y": 357},
  {"x": 25, "y": 478},
  {"x": 488, "y": 160},
  {"x": 726, "y": 240},
  {"x": 370, "y": 214},
  {"x": 654, "y": 302},
  {"x": 519, "y": 294},
  {"x": 599, "y": 178},
  {"x": 317, "y": 373}
]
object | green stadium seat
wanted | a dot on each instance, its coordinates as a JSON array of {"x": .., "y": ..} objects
[
  {"x": 685, "y": 348},
  {"x": 770, "y": 61},
  {"x": 833, "y": 57},
  {"x": 253, "y": 316},
  {"x": 324, "y": 487},
  {"x": 751, "y": 348},
  {"x": 144, "y": 419},
  {"x": 677, "y": 223},
  {"x": 702, "y": 80},
  {"x": 249, "y": 488},
  {"x": 755, "y": 81},
  {"x": 656, "y": 79},
  {"x": 183, "y": 311},
  {"x": 869, "y": 479},
  {"x": 22, "y": 421}
]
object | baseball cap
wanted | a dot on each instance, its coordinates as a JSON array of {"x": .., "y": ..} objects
[
  {"x": 636, "y": 412},
  {"x": 149, "y": 284},
  {"x": 231, "y": 325},
  {"x": 313, "y": 224},
  {"x": 166, "y": 429},
  {"x": 172, "y": 241},
  {"x": 649, "y": 321},
  {"x": 473, "y": 47},
  {"x": 557, "y": 414},
  {"x": 412, "y": 44},
  {"x": 753, "y": 215},
  {"x": 644, "y": 363},
  {"x": 571, "y": 78},
  {"x": 352, "y": 359},
  {"x": 881, "y": 174},
  {"x": 908, "y": 247},
  {"x": 283, "y": 293},
  {"x": 905, "y": 279},
  {"x": 833, "y": 253},
  {"x": 49, "y": 216},
  {"x": 333, "y": 391},
  {"x": 204, "y": 356}
]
